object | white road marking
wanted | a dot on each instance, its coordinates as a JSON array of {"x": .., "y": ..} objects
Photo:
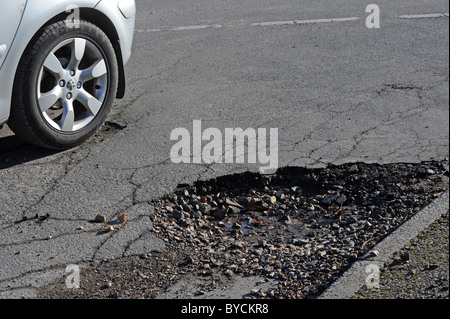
[
  {"x": 423, "y": 16},
  {"x": 184, "y": 28},
  {"x": 308, "y": 21},
  {"x": 289, "y": 22},
  {"x": 277, "y": 23}
]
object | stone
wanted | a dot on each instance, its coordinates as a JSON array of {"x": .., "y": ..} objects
[
  {"x": 374, "y": 253},
  {"x": 330, "y": 198},
  {"x": 100, "y": 218},
  {"x": 106, "y": 285},
  {"x": 204, "y": 208},
  {"x": 197, "y": 214},
  {"x": 177, "y": 214},
  {"x": 109, "y": 229},
  {"x": 220, "y": 213},
  {"x": 353, "y": 169}
]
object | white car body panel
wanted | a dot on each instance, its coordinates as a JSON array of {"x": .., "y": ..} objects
[
  {"x": 35, "y": 14},
  {"x": 12, "y": 12}
]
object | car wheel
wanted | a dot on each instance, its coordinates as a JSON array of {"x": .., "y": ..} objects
[{"x": 65, "y": 86}]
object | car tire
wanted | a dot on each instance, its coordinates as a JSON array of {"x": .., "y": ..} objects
[{"x": 65, "y": 85}]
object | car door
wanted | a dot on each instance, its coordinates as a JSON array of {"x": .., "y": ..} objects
[{"x": 10, "y": 16}]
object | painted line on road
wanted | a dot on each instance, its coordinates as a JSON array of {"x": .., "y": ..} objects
[
  {"x": 184, "y": 28},
  {"x": 288, "y": 22},
  {"x": 308, "y": 21},
  {"x": 276, "y": 23},
  {"x": 423, "y": 16}
]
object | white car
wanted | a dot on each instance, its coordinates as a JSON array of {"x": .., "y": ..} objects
[{"x": 61, "y": 66}]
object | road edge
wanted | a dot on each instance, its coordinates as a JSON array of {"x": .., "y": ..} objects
[{"x": 355, "y": 277}]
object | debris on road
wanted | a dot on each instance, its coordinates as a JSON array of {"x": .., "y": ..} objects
[
  {"x": 122, "y": 218},
  {"x": 109, "y": 229},
  {"x": 100, "y": 218},
  {"x": 277, "y": 227}
]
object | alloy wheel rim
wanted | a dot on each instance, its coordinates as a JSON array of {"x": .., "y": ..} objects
[{"x": 72, "y": 84}]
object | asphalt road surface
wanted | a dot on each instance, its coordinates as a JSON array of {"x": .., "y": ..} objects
[{"x": 336, "y": 90}]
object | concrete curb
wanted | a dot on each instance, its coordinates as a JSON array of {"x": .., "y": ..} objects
[{"x": 355, "y": 277}]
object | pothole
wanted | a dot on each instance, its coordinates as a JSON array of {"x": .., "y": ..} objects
[{"x": 300, "y": 227}]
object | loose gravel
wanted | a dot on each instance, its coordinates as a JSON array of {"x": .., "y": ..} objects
[
  {"x": 300, "y": 228},
  {"x": 419, "y": 271}
]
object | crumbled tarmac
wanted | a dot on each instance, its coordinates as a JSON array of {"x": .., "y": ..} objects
[{"x": 299, "y": 228}]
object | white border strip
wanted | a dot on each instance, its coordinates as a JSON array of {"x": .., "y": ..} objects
[
  {"x": 309, "y": 21},
  {"x": 289, "y": 22},
  {"x": 423, "y": 16},
  {"x": 273, "y": 23},
  {"x": 354, "y": 278},
  {"x": 185, "y": 28}
]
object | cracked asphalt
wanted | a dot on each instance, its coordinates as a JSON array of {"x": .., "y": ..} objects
[{"x": 338, "y": 92}]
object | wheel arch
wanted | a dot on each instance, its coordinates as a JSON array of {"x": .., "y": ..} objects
[{"x": 103, "y": 22}]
